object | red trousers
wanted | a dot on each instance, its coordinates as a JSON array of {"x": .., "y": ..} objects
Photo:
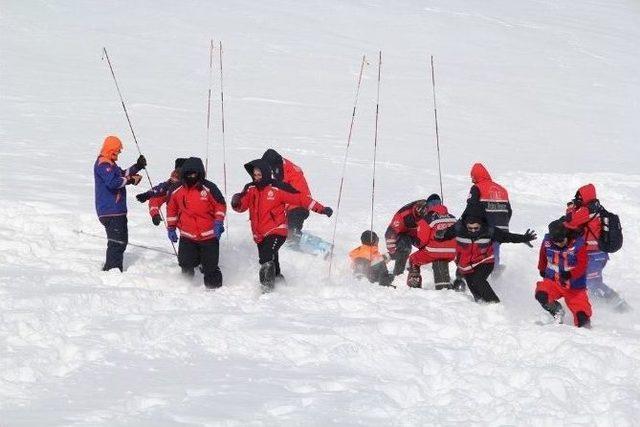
[
  {"x": 422, "y": 257},
  {"x": 576, "y": 299}
]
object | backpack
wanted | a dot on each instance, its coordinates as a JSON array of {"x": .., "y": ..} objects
[{"x": 610, "y": 240}]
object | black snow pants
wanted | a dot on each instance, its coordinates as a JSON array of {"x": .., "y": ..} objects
[
  {"x": 478, "y": 284},
  {"x": 118, "y": 235},
  {"x": 192, "y": 253}
]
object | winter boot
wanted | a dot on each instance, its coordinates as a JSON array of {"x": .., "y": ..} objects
[
  {"x": 188, "y": 271},
  {"x": 213, "y": 281},
  {"x": 386, "y": 279},
  {"x": 583, "y": 320},
  {"x": 441, "y": 276},
  {"x": 267, "y": 276},
  {"x": 414, "y": 279}
]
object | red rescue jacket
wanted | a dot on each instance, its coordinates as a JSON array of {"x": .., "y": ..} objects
[
  {"x": 586, "y": 217},
  {"x": 437, "y": 218},
  {"x": 194, "y": 210}
]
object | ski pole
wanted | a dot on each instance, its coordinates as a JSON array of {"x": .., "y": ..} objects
[
  {"x": 126, "y": 113},
  {"x": 344, "y": 163},
  {"x": 224, "y": 146},
  {"x": 125, "y": 243},
  {"x": 206, "y": 163},
  {"x": 375, "y": 141},
  {"x": 435, "y": 113}
]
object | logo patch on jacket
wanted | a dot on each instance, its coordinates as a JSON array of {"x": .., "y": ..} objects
[{"x": 270, "y": 195}]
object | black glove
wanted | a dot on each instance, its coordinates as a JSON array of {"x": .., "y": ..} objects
[
  {"x": 565, "y": 275},
  {"x": 439, "y": 235},
  {"x": 141, "y": 163},
  {"x": 529, "y": 235},
  {"x": 143, "y": 197},
  {"x": 134, "y": 179},
  {"x": 156, "y": 219},
  {"x": 542, "y": 274},
  {"x": 235, "y": 200},
  {"x": 327, "y": 211}
]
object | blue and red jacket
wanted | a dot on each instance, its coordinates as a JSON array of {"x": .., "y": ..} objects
[
  {"x": 110, "y": 180},
  {"x": 573, "y": 258}
]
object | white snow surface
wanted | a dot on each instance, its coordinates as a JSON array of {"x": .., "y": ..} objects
[{"x": 545, "y": 93}]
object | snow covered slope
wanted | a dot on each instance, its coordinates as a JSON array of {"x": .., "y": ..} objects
[{"x": 543, "y": 92}]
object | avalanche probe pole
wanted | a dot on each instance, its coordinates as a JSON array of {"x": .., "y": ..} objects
[
  {"x": 435, "y": 113},
  {"x": 344, "y": 164},
  {"x": 126, "y": 113},
  {"x": 120, "y": 242},
  {"x": 206, "y": 163},
  {"x": 224, "y": 145},
  {"x": 375, "y": 141}
]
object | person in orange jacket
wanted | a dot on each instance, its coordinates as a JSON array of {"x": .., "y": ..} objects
[
  {"x": 111, "y": 198},
  {"x": 367, "y": 261},
  {"x": 267, "y": 200},
  {"x": 288, "y": 172}
]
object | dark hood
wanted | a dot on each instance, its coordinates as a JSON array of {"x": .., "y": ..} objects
[
  {"x": 274, "y": 159},
  {"x": 193, "y": 164},
  {"x": 264, "y": 167},
  {"x": 475, "y": 213}
]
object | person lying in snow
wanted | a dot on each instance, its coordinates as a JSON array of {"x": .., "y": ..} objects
[
  {"x": 197, "y": 208},
  {"x": 367, "y": 261},
  {"x": 432, "y": 251},
  {"x": 563, "y": 267},
  {"x": 267, "y": 201},
  {"x": 474, "y": 249},
  {"x": 159, "y": 194}
]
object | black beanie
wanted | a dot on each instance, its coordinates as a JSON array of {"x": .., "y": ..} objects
[
  {"x": 474, "y": 214},
  {"x": 433, "y": 200},
  {"x": 557, "y": 230},
  {"x": 179, "y": 162},
  {"x": 369, "y": 238}
]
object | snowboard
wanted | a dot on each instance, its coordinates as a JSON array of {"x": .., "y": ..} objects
[{"x": 310, "y": 244}]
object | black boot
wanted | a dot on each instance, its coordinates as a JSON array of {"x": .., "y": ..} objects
[
  {"x": 583, "y": 320},
  {"x": 414, "y": 279},
  {"x": 441, "y": 276},
  {"x": 267, "y": 276},
  {"x": 213, "y": 281}
]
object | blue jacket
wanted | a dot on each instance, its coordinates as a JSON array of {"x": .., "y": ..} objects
[
  {"x": 110, "y": 194},
  {"x": 573, "y": 258}
]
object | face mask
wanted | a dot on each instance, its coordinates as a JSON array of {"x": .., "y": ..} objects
[{"x": 190, "y": 181}]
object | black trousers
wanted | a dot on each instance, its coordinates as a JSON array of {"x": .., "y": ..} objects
[
  {"x": 268, "y": 250},
  {"x": 478, "y": 284},
  {"x": 118, "y": 235},
  {"x": 404, "y": 243},
  {"x": 295, "y": 220},
  {"x": 192, "y": 253}
]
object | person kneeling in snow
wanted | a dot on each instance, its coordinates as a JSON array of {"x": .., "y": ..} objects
[
  {"x": 563, "y": 267},
  {"x": 111, "y": 198},
  {"x": 197, "y": 208},
  {"x": 159, "y": 194},
  {"x": 366, "y": 260},
  {"x": 267, "y": 200},
  {"x": 474, "y": 249},
  {"x": 401, "y": 233},
  {"x": 439, "y": 254}
]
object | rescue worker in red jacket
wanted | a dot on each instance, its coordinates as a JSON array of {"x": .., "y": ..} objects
[
  {"x": 495, "y": 200},
  {"x": 563, "y": 267},
  {"x": 159, "y": 194},
  {"x": 439, "y": 254},
  {"x": 286, "y": 171},
  {"x": 267, "y": 199},
  {"x": 474, "y": 249},
  {"x": 583, "y": 217},
  {"x": 197, "y": 208},
  {"x": 367, "y": 261},
  {"x": 401, "y": 233}
]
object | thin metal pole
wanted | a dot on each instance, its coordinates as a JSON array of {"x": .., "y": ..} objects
[
  {"x": 126, "y": 113},
  {"x": 124, "y": 243},
  {"x": 375, "y": 140},
  {"x": 206, "y": 164},
  {"x": 344, "y": 163},
  {"x": 435, "y": 113}
]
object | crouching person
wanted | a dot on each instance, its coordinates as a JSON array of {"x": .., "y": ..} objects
[
  {"x": 367, "y": 261},
  {"x": 267, "y": 200},
  {"x": 563, "y": 266},
  {"x": 197, "y": 208}
]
